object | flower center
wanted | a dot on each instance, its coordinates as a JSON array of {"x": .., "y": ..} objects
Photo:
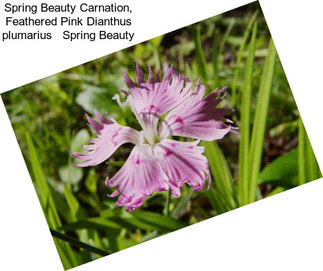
[{"x": 150, "y": 135}]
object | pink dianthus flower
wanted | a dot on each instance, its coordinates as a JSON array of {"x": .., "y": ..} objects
[{"x": 164, "y": 108}]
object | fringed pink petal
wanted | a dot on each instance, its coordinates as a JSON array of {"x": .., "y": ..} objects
[
  {"x": 198, "y": 117},
  {"x": 139, "y": 177},
  {"x": 183, "y": 162},
  {"x": 139, "y": 74},
  {"x": 156, "y": 96},
  {"x": 110, "y": 135}
]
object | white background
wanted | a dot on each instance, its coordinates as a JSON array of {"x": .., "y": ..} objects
[{"x": 283, "y": 232}]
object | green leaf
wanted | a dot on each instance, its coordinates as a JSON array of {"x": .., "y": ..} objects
[
  {"x": 71, "y": 201},
  {"x": 97, "y": 98},
  {"x": 307, "y": 164},
  {"x": 218, "y": 44},
  {"x": 217, "y": 201},
  {"x": 163, "y": 223},
  {"x": 91, "y": 181},
  {"x": 70, "y": 174},
  {"x": 117, "y": 223},
  {"x": 260, "y": 119},
  {"x": 142, "y": 52},
  {"x": 221, "y": 172},
  {"x": 79, "y": 139},
  {"x": 182, "y": 204},
  {"x": 277, "y": 190},
  {"x": 62, "y": 206},
  {"x": 149, "y": 236},
  {"x": 302, "y": 154},
  {"x": 78, "y": 243},
  {"x": 66, "y": 254},
  {"x": 92, "y": 223},
  {"x": 313, "y": 170},
  {"x": 199, "y": 51},
  {"x": 283, "y": 171},
  {"x": 156, "y": 41},
  {"x": 239, "y": 56},
  {"x": 245, "y": 122},
  {"x": 42, "y": 185}
]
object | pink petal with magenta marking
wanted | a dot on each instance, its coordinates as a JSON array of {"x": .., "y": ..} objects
[
  {"x": 183, "y": 162},
  {"x": 140, "y": 176},
  {"x": 198, "y": 117},
  {"x": 110, "y": 135},
  {"x": 155, "y": 96}
]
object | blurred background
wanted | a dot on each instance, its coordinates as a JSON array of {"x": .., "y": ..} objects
[{"x": 270, "y": 154}]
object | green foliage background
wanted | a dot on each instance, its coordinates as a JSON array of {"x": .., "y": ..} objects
[{"x": 271, "y": 153}]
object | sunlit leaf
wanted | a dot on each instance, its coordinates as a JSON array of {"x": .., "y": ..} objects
[{"x": 164, "y": 223}]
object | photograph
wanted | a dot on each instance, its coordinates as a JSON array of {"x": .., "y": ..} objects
[{"x": 161, "y": 135}]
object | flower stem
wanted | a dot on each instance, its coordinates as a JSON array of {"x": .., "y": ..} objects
[{"x": 166, "y": 209}]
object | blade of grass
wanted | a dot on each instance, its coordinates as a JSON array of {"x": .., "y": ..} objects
[
  {"x": 92, "y": 223},
  {"x": 78, "y": 243},
  {"x": 217, "y": 49},
  {"x": 46, "y": 200},
  {"x": 149, "y": 236},
  {"x": 311, "y": 164},
  {"x": 217, "y": 201},
  {"x": 221, "y": 172},
  {"x": 277, "y": 190},
  {"x": 103, "y": 223},
  {"x": 239, "y": 57},
  {"x": 72, "y": 202},
  {"x": 313, "y": 171},
  {"x": 199, "y": 51},
  {"x": 182, "y": 204},
  {"x": 245, "y": 122},
  {"x": 307, "y": 164},
  {"x": 167, "y": 203},
  {"x": 260, "y": 119},
  {"x": 161, "y": 222},
  {"x": 75, "y": 211},
  {"x": 216, "y": 58},
  {"x": 301, "y": 153},
  {"x": 227, "y": 34}
]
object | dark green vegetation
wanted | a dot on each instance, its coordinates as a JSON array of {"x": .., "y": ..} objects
[{"x": 271, "y": 153}]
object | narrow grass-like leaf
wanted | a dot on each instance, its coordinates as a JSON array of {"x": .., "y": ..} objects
[
  {"x": 78, "y": 243},
  {"x": 245, "y": 122},
  {"x": 301, "y": 153},
  {"x": 226, "y": 35},
  {"x": 260, "y": 119},
  {"x": 277, "y": 190},
  {"x": 216, "y": 58},
  {"x": 134, "y": 223},
  {"x": 217, "y": 201},
  {"x": 61, "y": 206},
  {"x": 199, "y": 51},
  {"x": 163, "y": 223},
  {"x": 71, "y": 201},
  {"x": 239, "y": 57},
  {"x": 67, "y": 256},
  {"x": 308, "y": 167},
  {"x": 167, "y": 203},
  {"x": 182, "y": 204},
  {"x": 113, "y": 235},
  {"x": 92, "y": 223},
  {"x": 221, "y": 172},
  {"x": 218, "y": 43},
  {"x": 311, "y": 164},
  {"x": 149, "y": 236},
  {"x": 102, "y": 223},
  {"x": 313, "y": 170}
]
